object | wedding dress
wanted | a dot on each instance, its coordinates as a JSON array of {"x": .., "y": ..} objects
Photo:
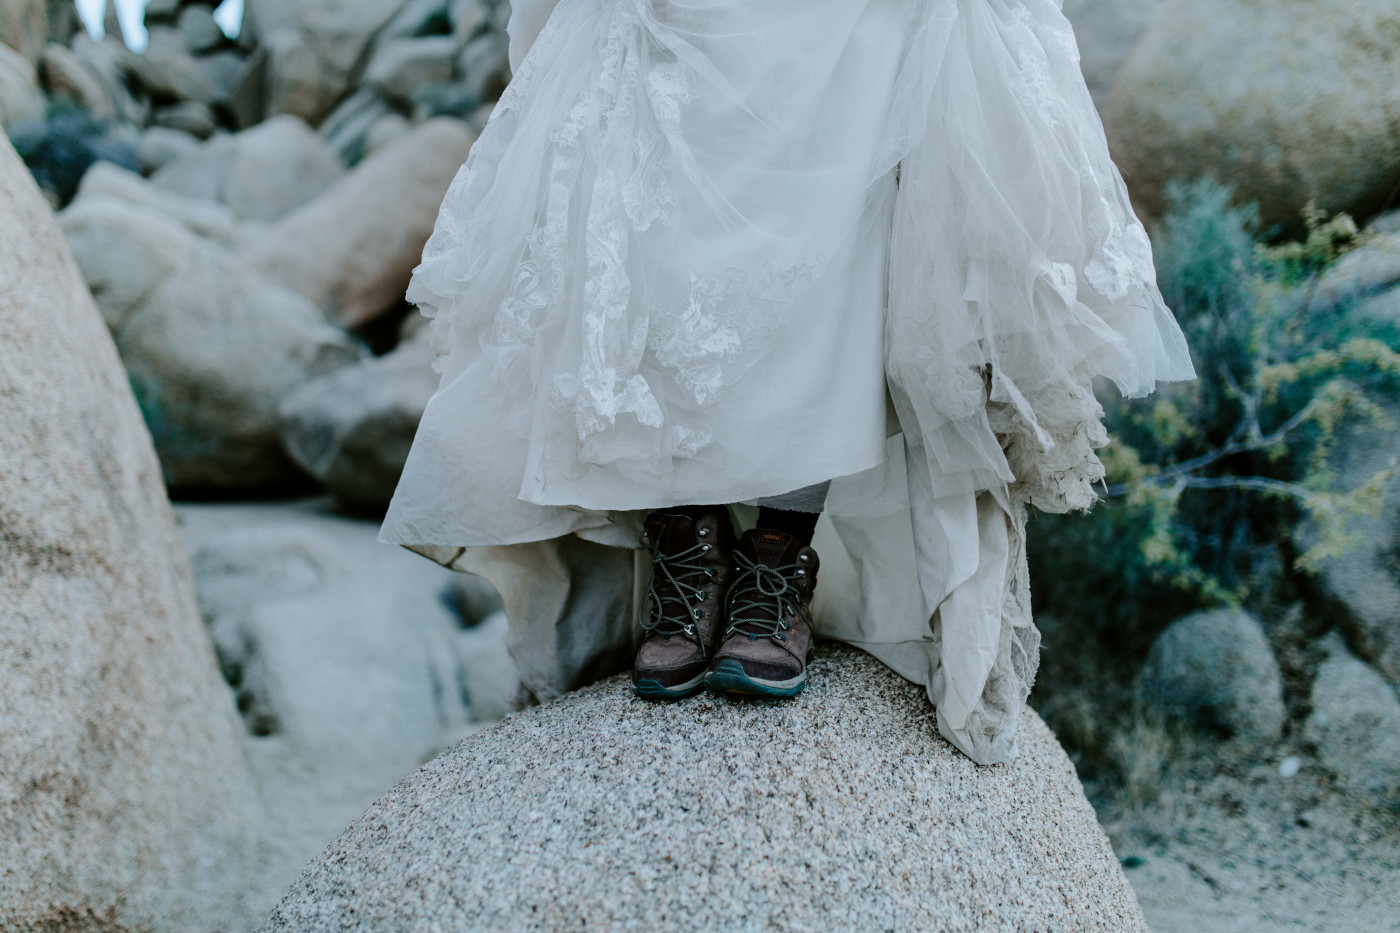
[{"x": 712, "y": 251}]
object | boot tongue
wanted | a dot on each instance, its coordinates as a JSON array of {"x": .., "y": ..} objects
[
  {"x": 671, "y": 533},
  {"x": 771, "y": 547}
]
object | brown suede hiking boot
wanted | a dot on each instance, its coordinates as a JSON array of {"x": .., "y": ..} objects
[
  {"x": 768, "y": 637},
  {"x": 683, "y": 615}
]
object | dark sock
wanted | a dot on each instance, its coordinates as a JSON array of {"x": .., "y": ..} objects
[{"x": 798, "y": 524}]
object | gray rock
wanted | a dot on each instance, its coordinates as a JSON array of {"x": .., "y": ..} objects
[
  {"x": 484, "y": 65},
  {"x": 353, "y": 249},
  {"x": 414, "y": 18},
  {"x": 65, "y": 75},
  {"x": 225, "y": 70},
  {"x": 1216, "y": 668},
  {"x": 161, "y": 12},
  {"x": 468, "y": 17},
  {"x": 248, "y": 94},
  {"x": 20, "y": 97},
  {"x": 1355, "y": 724},
  {"x": 315, "y": 50},
  {"x": 348, "y": 125},
  {"x": 401, "y": 66},
  {"x": 212, "y": 221},
  {"x": 159, "y": 146},
  {"x": 841, "y": 809},
  {"x": 490, "y": 680},
  {"x": 1362, "y": 584},
  {"x": 384, "y": 132},
  {"x": 352, "y": 428},
  {"x": 210, "y": 347},
  {"x": 126, "y": 801},
  {"x": 1381, "y": 310},
  {"x": 353, "y": 668},
  {"x": 475, "y": 598},
  {"x": 261, "y": 173},
  {"x": 187, "y": 116},
  {"x": 343, "y": 652},
  {"x": 111, "y": 62},
  {"x": 1360, "y": 273},
  {"x": 201, "y": 33},
  {"x": 1287, "y": 107},
  {"x": 169, "y": 73}
]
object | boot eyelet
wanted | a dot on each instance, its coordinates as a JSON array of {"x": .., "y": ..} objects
[
  {"x": 802, "y": 571},
  {"x": 782, "y": 637},
  {"x": 703, "y": 532},
  {"x": 804, "y": 558},
  {"x": 705, "y": 548},
  {"x": 703, "y": 594},
  {"x": 698, "y": 613}
]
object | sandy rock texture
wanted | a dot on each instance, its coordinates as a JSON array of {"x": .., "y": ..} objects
[
  {"x": 842, "y": 809},
  {"x": 1288, "y": 101},
  {"x": 125, "y": 798}
]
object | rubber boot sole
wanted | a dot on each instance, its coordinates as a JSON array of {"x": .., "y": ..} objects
[
  {"x": 649, "y": 689},
  {"x": 728, "y": 676}
]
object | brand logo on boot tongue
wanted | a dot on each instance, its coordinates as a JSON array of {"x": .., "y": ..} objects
[{"x": 770, "y": 537}]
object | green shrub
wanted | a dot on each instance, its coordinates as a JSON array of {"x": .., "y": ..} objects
[{"x": 1207, "y": 481}]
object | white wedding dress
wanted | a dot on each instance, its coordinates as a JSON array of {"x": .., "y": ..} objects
[{"x": 712, "y": 251}]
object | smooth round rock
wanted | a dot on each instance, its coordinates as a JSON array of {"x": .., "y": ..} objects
[{"x": 840, "y": 810}]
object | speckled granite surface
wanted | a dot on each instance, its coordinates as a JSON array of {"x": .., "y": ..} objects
[{"x": 841, "y": 810}]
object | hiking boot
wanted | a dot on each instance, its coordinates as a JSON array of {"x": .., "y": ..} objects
[
  {"x": 683, "y": 613},
  {"x": 768, "y": 636}
]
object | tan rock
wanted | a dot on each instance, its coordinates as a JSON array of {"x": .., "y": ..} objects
[
  {"x": 125, "y": 799},
  {"x": 1289, "y": 101},
  {"x": 353, "y": 249},
  {"x": 24, "y": 27}
]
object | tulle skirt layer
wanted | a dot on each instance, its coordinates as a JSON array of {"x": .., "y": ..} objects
[{"x": 715, "y": 250}]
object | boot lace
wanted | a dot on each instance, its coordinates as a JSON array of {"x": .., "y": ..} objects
[
  {"x": 760, "y": 599},
  {"x": 672, "y": 583}
]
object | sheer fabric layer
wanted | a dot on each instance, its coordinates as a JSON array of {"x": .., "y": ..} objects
[{"x": 693, "y": 246}]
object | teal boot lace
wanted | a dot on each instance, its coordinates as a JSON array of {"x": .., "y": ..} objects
[
  {"x": 761, "y": 597},
  {"x": 674, "y": 581}
]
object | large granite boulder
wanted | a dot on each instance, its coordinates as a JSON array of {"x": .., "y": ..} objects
[
  {"x": 210, "y": 347},
  {"x": 842, "y": 809},
  {"x": 353, "y": 249},
  {"x": 1216, "y": 669},
  {"x": 125, "y": 799},
  {"x": 1288, "y": 101}
]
